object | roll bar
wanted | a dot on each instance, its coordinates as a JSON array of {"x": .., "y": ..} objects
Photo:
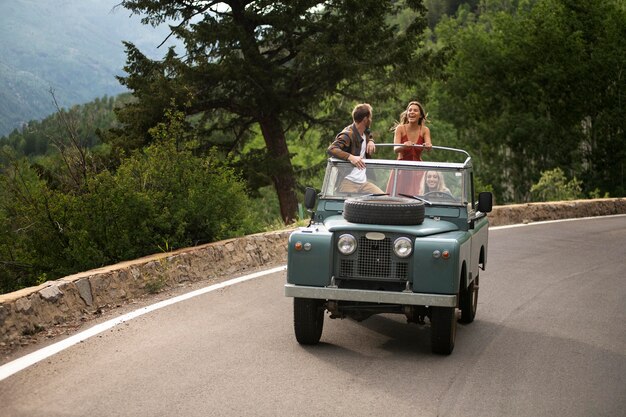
[{"x": 444, "y": 148}]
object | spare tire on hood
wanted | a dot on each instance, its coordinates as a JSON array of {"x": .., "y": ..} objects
[{"x": 384, "y": 210}]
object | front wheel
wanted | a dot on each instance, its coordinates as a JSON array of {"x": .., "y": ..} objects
[
  {"x": 468, "y": 302},
  {"x": 442, "y": 329},
  {"x": 308, "y": 320}
]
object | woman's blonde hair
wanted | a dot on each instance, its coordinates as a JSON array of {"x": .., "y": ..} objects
[{"x": 441, "y": 184}]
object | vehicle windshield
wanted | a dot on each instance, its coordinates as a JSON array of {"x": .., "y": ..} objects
[{"x": 437, "y": 185}]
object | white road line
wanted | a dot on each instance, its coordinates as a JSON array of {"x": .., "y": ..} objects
[{"x": 24, "y": 362}]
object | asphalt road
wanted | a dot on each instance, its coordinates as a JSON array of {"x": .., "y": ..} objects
[{"x": 549, "y": 340}]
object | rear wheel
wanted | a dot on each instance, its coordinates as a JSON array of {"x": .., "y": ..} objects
[
  {"x": 308, "y": 320},
  {"x": 468, "y": 302},
  {"x": 442, "y": 329}
]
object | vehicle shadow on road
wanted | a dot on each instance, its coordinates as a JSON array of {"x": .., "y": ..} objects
[
  {"x": 401, "y": 336},
  {"x": 410, "y": 338}
]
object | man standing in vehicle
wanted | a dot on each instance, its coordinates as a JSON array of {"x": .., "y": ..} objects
[{"x": 354, "y": 144}]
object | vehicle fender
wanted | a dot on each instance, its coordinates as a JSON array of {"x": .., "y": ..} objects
[
  {"x": 311, "y": 265},
  {"x": 480, "y": 240},
  {"x": 438, "y": 275}
]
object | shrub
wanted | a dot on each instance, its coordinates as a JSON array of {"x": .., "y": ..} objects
[
  {"x": 553, "y": 186},
  {"x": 160, "y": 197}
]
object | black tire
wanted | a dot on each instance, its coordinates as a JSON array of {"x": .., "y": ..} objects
[
  {"x": 468, "y": 302},
  {"x": 442, "y": 329},
  {"x": 384, "y": 210},
  {"x": 308, "y": 320}
]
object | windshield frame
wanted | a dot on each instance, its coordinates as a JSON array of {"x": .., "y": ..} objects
[{"x": 457, "y": 174}]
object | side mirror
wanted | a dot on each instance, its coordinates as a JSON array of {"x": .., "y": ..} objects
[
  {"x": 485, "y": 202},
  {"x": 310, "y": 198}
]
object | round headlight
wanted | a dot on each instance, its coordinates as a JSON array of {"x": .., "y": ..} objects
[
  {"x": 402, "y": 247},
  {"x": 346, "y": 244}
]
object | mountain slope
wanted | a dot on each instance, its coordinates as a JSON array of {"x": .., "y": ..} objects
[{"x": 72, "y": 47}]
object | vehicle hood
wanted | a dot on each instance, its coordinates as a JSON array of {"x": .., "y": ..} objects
[{"x": 428, "y": 228}]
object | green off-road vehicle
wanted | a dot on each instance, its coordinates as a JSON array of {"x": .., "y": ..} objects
[{"x": 407, "y": 251}]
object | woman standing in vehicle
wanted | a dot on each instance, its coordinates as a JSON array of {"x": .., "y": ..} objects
[{"x": 410, "y": 130}]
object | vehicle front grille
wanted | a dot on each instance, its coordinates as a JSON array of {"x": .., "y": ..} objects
[{"x": 373, "y": 260}]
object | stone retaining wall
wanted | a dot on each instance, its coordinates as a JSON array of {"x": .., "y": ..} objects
[
  {"x": 33, "y": 309},
  {"x": 534, "y": 212}
]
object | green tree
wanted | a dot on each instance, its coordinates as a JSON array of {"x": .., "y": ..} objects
[
  {"x": 161, "y": 198},
  {"x": 271, "y": 64},
  {"x": 439, "y": 8},
  {"x": 80, "y": 123},
  {"x": 32, "y": 233},
  {"x": 554, "y": 186},
  {"x": 536, "y": 88},
  {"x": 194, "y": 199}
]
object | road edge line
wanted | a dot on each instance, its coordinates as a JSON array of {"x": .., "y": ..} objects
[{"x": 19, "y": 364}]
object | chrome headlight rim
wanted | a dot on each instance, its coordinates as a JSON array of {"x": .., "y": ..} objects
[
  {"x": 403, "y": 247},
  {"x": 346, "y": 244}
]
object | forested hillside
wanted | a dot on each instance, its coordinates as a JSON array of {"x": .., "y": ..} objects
[
  {"x": 221, "y": 140},
  {"x": 43, "y": 138},
  {"x": 73, "y": 47}
]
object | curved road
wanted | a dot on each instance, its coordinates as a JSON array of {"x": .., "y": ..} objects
[{"x": 549, "y": 340}]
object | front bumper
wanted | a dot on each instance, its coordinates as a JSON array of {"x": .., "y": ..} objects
[{"x": 381, "y": 297}]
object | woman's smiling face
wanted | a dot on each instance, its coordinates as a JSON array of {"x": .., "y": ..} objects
[
  {"x": 432, "y": 179},
  {"x": 413, "y": 113}
]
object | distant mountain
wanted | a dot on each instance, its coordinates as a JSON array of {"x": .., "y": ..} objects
[{"x": 72, "y": 47}]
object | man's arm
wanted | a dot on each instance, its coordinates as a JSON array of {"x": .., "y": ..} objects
[
  {"x": 371, "y": 146},
  {"x": 337, "y": 148}
]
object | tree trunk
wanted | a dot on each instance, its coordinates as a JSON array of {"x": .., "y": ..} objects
[{"x": 283, "y": 175}]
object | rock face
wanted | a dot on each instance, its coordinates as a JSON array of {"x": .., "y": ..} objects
[{"x": 31, "y": 310}]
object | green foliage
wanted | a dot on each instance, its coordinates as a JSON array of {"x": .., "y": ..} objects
[
  {"x": 437, "y": 9},
  {"x": 185, "y": 193},
  {"x": 86, "y": 121},
  {"x": 598, "y": 194},
  {"x": 213, "y": 144},
  {"x": 252, "y": 66},
  {"x": 33, "y": 233},
  {"x": 554, "y": 186},
  {"x": 536, "y": 88},
  {"x": 162, "y": 194}
]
